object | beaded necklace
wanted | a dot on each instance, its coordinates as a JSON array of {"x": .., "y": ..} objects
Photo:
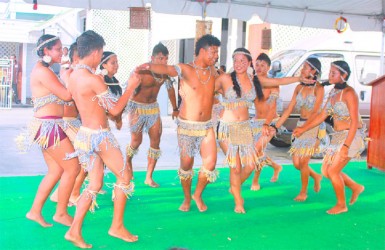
[
  {"x": 157, "y": 79},
  {"x": 204, "y": 73},
  {"x": 84, "y": 66},
  {"x": 113, "y": 83}
]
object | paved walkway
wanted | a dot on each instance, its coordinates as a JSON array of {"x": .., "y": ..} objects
[{"x": 32, "y": 163}]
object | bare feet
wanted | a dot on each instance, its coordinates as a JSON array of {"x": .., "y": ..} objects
[
  {"x": 200, "y": 204},
  {"x": 356, "y": 192},
  {"x": 77, "y": 240},
  {"x": 337, "y": 209},
  {"x": 64, "y": 219},
  {"x": 239, "y": 209},
  {"x": 54, "y": 196},
  {"x": 301, "y": 197},
  {"x": 255, "y": 187},
  {"x": 185, "y": 207},
  {"x": 151, "y": 183},
  {"x": 277, "y": 170},
  {"x": 317, "y": 183},
  {"x": 73, "y": 200},
  {"x": 123, "y": 234},
  {"x": 102, "y": 191},
  {"x": 38, "y": 218}
]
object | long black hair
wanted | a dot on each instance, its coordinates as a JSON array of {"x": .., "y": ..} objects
[
  {"x": 315, "y": 64},
  {"x": 256, "y": 82},
  {"x": 115, "y": 89}
]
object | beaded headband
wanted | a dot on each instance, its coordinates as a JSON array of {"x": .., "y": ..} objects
[
  {"x": 313, "y": 67},
  {"x": 47, "y": 41},
  {"x": 340, "y": 68},
  {"x": 106, "y": 59},
  {"x": 241, "y": 52}
]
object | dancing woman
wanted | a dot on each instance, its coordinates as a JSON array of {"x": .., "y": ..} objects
[
  {"x": 46, "y": 130},
  {"x": 307, "y": 100},
  {"x": 347, "y": 142},
  {"x": 109, "y": 67},
  {"x": 239, "y": 89}
]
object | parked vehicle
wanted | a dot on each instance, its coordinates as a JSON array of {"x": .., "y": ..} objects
[{"x": 360, "y": 50}]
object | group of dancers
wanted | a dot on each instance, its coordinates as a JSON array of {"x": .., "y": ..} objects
[{"x": 71, "y": 126}]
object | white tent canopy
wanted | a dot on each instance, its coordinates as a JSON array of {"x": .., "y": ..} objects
[{"x": 362, "y": 15}]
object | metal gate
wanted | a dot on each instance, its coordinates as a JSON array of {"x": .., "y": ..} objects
[{"x": 6, "y": 77}]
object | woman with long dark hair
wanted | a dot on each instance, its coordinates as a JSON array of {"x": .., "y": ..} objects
[
  {"x": 348, "y": 140},
  {"x": 47, "y": 131},
  {"x": 109, "y": 67},
  {"x": 307, "y": 100},
  {"x": 239, "y": 89}
]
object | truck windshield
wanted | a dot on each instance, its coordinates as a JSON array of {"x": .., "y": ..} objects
[{"x": 287, "y": 58}]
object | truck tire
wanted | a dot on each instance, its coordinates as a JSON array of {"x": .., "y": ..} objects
[{"x": 279, "y": 143}]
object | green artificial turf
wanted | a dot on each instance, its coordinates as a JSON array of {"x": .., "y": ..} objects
[{"x": 273, "y": 220}]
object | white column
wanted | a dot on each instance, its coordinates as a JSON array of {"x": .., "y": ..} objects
[
  {"x": 234, "y": 41},
  {"x": 24, "y": 75}
]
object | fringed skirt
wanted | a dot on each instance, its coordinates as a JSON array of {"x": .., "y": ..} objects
[
  {"x": 215, "y": 115},
  {"x": 256, "y": 126},
  {"x": 191, "y": 135},
  {"x": 43, "y": 132},
  {"x": 338, "y": 139},
  {"x": 71, "y": 127},
  {"x": 305, "y": 145},
  {"x": 142, "y": 115},
  {"x": 239, "y": 139},
  {"x": 87, "y": 142}
]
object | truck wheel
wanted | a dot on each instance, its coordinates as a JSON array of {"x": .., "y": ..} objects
[{"x": 279, "y": 143}]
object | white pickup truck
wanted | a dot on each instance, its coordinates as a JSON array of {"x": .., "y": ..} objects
[{"x": 360, "y": 50}]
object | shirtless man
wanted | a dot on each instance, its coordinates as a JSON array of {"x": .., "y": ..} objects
[
  {"x": 94, "y": 143},
  {"x": 265, "y": 112},
  {"x": 195, "y": 129},
  {"x": 144, "y": 113}
]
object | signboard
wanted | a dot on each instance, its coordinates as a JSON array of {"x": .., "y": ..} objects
[{"x": 140, "y": 18}]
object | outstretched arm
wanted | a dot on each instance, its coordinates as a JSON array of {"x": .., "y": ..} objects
[
  {"x": 132, "y": 83},
  {"x": 311, "y": 123},
  {"x": 158, "y": 69},
  {"x": 289, "y": 109},
  {"x": 274, "y": 82}
]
